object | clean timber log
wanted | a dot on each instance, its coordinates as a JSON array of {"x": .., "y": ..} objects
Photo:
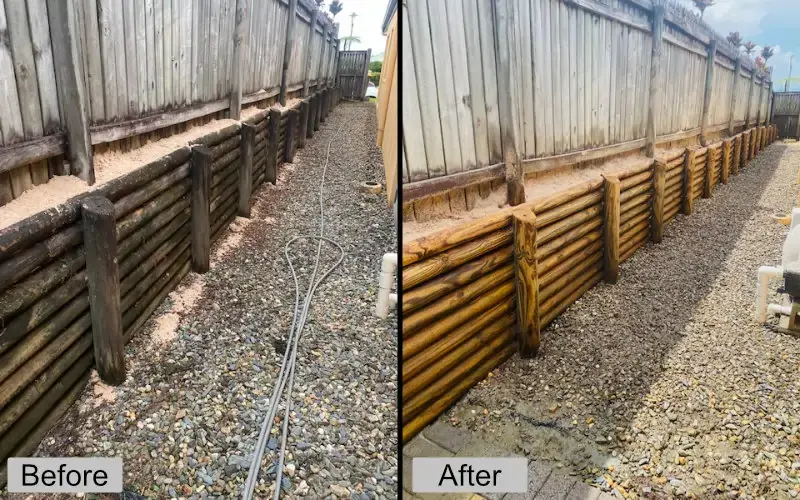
[
  {"x": 291, "y": 136},
  {"x": 271, "y": 169},
  {"x": 461, "y": 276},
  {"x": 246, "y": 170},
  {"x": 708, "y": 181},
  {"x": 688, "y": 181},
  {"x": 587, "y": 253},
  {"x": 611, "y": 191},
  {"x": 564, "y": 253},
  {"x": 545, "y": 250},
  {"x": 659, "y": 184},
  {"x": 201, "y": 223},
  {"x": 526, "y": 283},
  {"x": 567, "y": 224},
  {"x": 100, "y": 243},
  {"x": 726, "y": 160}
]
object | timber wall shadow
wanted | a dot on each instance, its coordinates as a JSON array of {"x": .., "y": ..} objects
[
  {"x": 46, "y": 341},
  {"x": 472, "y": 296}
]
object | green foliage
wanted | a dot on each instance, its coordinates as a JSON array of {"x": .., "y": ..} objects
[
  {"x": 335, "y": 7},
  {"x": 376, "y": 66},
  {"x": 375, "y": 77}
]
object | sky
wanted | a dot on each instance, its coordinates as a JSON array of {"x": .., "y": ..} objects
[
  {"x": 765, "y": 22},
  {"x": 367, "y": 24}
]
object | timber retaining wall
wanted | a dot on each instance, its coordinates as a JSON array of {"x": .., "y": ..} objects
[
  {"x": 46, "y": 340},
  {"x": 462, "y": 309}
]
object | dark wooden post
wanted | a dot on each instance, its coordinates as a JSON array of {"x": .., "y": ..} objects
[
  {"x": 708, "y": 182},
  {"x": 70, "y": 86},
  {"x": 312, "y": 116},
  {"x": 312, "y": 31},
  {"x": 659, "y": 185},
  {"x": 688, "y": 181},
  {"x": 273, "y": 138},
  {"x": 291, "y": 133},
  {"x": 102, "y": 273},
  {"x": 611, "y": 203},
  {"x": 326, "y": 99},
  {"x": 303, "y": 127},
  {"x": 737, "y": 154},
  {"x": 526, "y": 280},
  {"x": 318, "y": 111},
  {"x": 736, "y": 74},
  {"x": 236, "y": 62},
  {"x": 291, "y": 21},
  {"x": 246, "y": 169},
  {"x": 201, "y": 217},
  {"x": 726, "y": 160},
  {"x": 509, "y": 131},
  {"x": 655, "y": 78},
  {"x": 710, "y": 61}
]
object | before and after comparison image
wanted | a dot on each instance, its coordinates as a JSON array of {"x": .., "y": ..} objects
[{"x": 385, "y": 249}]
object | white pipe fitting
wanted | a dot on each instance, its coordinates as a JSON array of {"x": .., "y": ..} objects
[
  {"x": 385, "y": 280},
  {"x": 779, "y": 309},
  {"x": 764, "y": 275}
]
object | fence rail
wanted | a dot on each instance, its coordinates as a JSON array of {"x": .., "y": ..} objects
[
  {"x": 545, "y": 79},
  {"x": 78, "y": 73}
]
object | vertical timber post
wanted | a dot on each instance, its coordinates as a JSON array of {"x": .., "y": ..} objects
[
  {"x": 309, "y": 52},
  {"x": 726, "y": 160},
  {"x": 326, "y": 100},
  {"x": 102, "y": 273},
  {"x": 749, "y": 99},
  {"x": 708, "y": 172},
  {"x": 526, "y": 282},
  {"x": 655, "y": 78},
  {"x": 312, "y": 116},
  {"x": 246, "y": 169},
  {"x": 318, "y": 110},
  {"x": 70, "y": 86},
  {"x": 737, "y": 154},
  {"x": 200, "y": 174},
  {"x": 611, "y": 202},
  {"x": 291, "y": 139},
  {"x": 303, "y": 127},
  {"x": 236, "y": 64},
  {"x": 365, "y": 82},
  {"x": 659, "y": 185},
  {"x": 273, "y": 137},
  {"x": 509, "y": 131},
  {"x": 688, "y": 181},
  {"x": 736, "y": 74},
  {"x": 291, "y": 21},
  {"x": 710, "y": 61}
]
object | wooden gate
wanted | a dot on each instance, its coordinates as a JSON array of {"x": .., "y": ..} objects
[
  {"x": 354, "y": 73},
  {"x": 786, "y": 114}
]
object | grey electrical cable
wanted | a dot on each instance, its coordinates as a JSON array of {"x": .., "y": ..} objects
[{"x": 298, "y": 322}]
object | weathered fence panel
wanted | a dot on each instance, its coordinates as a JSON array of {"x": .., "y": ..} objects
[
  {"x": 353, "y": 73},
  {"x": 786, "y": 114}
]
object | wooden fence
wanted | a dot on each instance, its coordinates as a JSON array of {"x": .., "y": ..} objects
[
  {"x": 80, "y": 76},
  {"x": 388, "y": 90},
  {"x": 164, "y": 217},
  {"x": 476, "y": 293},
  {"x": 553, "y": 83},
  {"x": 354, "y": 73},
  {"x": 786, "y": 114}
]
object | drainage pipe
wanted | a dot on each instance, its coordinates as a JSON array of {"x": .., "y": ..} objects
[
  {"x": 385, "y": 280},
  {"x": 764, "y": 275}
]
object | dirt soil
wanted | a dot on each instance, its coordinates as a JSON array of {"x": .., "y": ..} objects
[
  {"x": 663, "y": 385},
  {"x": 201, "y": 372}
]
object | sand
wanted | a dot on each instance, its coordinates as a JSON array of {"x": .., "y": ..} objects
[
  {"x": 108, "y": 165},
  {"x": 537, "y": 187}
]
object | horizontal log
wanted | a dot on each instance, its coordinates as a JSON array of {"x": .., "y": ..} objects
[
  {"x": 156, "y": 301},
  {"x": 550, "y": 216},
  {"x": 225, "y": 147},
  {"x": 21, "y": 264},
  {"x": 420, "y": 272},
  {"x": 427, "y": 246},
  {"x": 556, "y": 229},
  {"x": 670, "y": 213},
  {"x": 224, "y": 163},
  {"x": 137, "y": 305},
  {"x": 635, "y": 179},
  {"x": 448, "y": 282},
  {"x": 633, "y": 244},
  {"x": 562, "y": 197},
  {"x": 436, "y": 185},
  {"x": 434, "y": 408},
  {"x": 156, "y": 271},
  {"x": 173, "y": 217},
  {"x": 633, "y": 223},
  {"x": 415, "y": 404},
  {"x": 442, "y": 366},
  {"x": 635, "y": 212},
  {"x": 31, "y": 151},
  {"x": 674, "y": 182},
  {"x": 632, "y": 231},
  {"x": 563, "y": 241},
  {"x": 223, "y": 224},
  {"x": 228, "y": 190},
  {"x": 553, "y": 260},
  {"x": 143, "y": 261},
  {"x": 592, "y": 264},
  {"x": 634, "y": 191},
  {"x": 442, "y": 327},
  {"x": 544, "y": 164},
  {"x": 586, "y": 253},
  {"x": 33, "y": 342},
  {"x": 435, "y": 350},
  {"x": 136, "y": 199},
  {"x": 578, "y": 290},
  {"x": 636, "y": 201},
  {"x": 142, "y": 215}
]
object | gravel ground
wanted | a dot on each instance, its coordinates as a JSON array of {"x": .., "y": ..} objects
[
  {"x": 664, "y": 385},
  {"x": 186, "y": 420}
]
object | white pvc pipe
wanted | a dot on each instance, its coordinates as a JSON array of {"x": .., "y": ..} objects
[
  {"x": 385, "y": 281},
  {"x": 779, "y": 309},
  {"x": 764, "y": 275}
]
